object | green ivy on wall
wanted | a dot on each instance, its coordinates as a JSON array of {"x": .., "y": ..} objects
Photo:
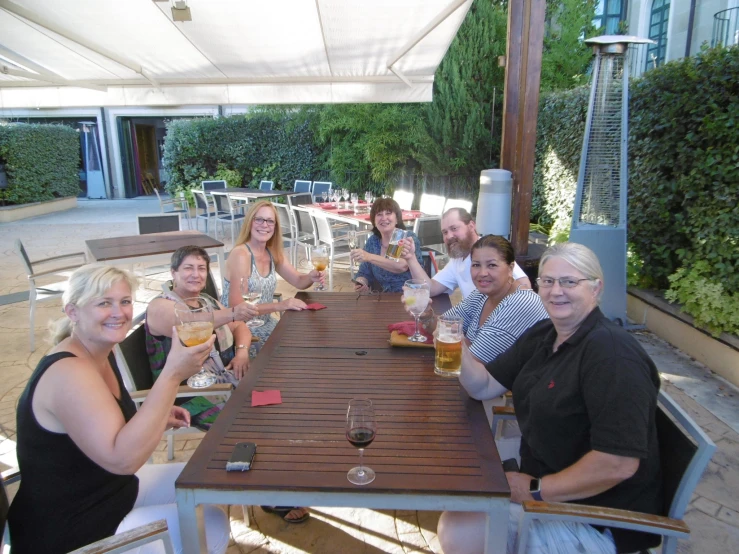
[{"x": 42, "y": 162}]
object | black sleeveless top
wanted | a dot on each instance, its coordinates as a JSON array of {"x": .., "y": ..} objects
[{"x": 65, "y": 500}]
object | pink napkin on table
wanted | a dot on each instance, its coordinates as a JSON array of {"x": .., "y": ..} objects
[
  {"x": 327, "y": 205},
  {"x": 411, "y": 214},
  {"x": 315, "y": 306},
  {"x": 265, "y": 398},
  {"x": 361, "y": 201},
  {"x": 345, "y": 212},
  {"x": 408, "y": 328}
]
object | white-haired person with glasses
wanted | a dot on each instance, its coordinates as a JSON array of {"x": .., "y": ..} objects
[{"x": 585, "y": 394}]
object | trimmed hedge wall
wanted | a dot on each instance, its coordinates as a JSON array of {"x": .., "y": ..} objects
[
  {"x": 683, "y": 179},
  {"x": 42, "y": 162},
  {"x": 242, "y": 150}
]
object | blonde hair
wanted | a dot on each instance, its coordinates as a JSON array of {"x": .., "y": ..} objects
[
  {"x": 275, "y": 241},
  {"x": 578, "y": 256},
  {"x": 87, "y": 283}
]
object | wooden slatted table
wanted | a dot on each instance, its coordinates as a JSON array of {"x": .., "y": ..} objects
[
  {"x": 150, "y": 248},
  {"x": 433, "y": 449}
]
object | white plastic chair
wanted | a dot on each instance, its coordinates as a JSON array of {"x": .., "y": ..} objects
[
  {"x": 457, "y": 203},
  {"x": 432, "y": 204},
  {"x": 45, "y": 292},
  {"x": 404, "y": 199}
]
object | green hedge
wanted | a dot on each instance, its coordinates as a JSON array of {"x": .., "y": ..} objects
[
  {"x": 683, "y": 179},
  {"x": 242, "y": 150},
  {"x": 42, "y": 162}
]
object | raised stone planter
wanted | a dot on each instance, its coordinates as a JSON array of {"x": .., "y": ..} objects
[
  {"x": 721, "y": 354},
  {"x": 23, "y": 211}
]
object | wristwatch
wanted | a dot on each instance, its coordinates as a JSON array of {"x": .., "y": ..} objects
[
  {"x": 239, "y": 347},
  {"x": 535, "y": 488}
]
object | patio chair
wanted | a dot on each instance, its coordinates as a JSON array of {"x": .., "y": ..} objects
[
  {"x": 158, "y": 223},
  {"x": 178, "y": 204},
  {"x": 266, "y": 185},
  {"x": 300, "y": 199},
  {"x": 226, "y": 213},
  {"x": 145, "y": 534},
  {"x": 302, "y": 186},
  {"x": 338, "y": 245},
  {"x": 133, "y": 363},
  {"x": 685, "y": 450},
  {"x": 428, "y": 230},
  {"x": 404, "y": 199},
  {"x": 213, "y": 185},
  {"x": 203, "y": 209},
  {"x": 287, "y": 226},
  {"x": 457, "y": 203},
  {"x": 45, "y": 292},
  {"x": 305, "y": 230},
  {"x": 432, "y": 204},
  {"x": 321, "y": 189}
]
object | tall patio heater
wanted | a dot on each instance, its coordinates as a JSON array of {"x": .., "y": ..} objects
[{"x": 599, "y": 215}]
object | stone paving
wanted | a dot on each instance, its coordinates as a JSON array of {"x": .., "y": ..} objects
[{"x": 713, "y": 514}]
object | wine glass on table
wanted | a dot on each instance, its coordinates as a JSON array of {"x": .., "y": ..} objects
[
  {"x": 319, "y": 259},
  {"x": 361, "y": 428},
  {"x": 252, "y": 294},
  {"x": 351, "y": 237},
  {"x": 416, "y": 297},
  {"x": 195, "y": 326}
]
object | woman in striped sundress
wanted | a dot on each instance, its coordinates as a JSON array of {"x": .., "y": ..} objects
[{"x": 500, "y": 310}]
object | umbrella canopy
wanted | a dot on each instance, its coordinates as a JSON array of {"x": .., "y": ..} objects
[{"x": 135, "y": 53}]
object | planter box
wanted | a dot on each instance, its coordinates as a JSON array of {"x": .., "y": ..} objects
[
  {"x": 23, "y": 211},
  {"x": 665, "y": 320}
]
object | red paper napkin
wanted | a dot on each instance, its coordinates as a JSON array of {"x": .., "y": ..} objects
[
  {"x": 265, "y": 398},
  {"x": 315, "y": 306},
  {"x": 345, "y": 212},
  {"x": 327, "y": 206},
  {"x": 408, "y": 328}
]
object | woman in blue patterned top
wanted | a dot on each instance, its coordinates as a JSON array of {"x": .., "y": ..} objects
[
  {"x": 375, "y": 271},
  {"x": 499, "y": 310}
]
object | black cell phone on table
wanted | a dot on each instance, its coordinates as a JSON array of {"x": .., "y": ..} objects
[
  {"x": 242, "y": 457},
  {"x": 511, "y": 464}
]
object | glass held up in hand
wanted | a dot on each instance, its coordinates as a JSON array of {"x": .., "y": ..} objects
[
  {"x": 195, "y": 326},
  {"x": 252, "y": 294}
]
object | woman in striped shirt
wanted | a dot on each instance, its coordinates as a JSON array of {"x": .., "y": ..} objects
[{"x": 500, "y": 310}]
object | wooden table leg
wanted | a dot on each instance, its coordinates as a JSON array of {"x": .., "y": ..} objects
[{"x": 192, "y": 528}]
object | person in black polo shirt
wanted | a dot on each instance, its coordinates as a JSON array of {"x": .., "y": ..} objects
[{"x": 586, "y": 395}]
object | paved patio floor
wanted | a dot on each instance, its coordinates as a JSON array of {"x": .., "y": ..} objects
[{"x": 713, "y": 514}]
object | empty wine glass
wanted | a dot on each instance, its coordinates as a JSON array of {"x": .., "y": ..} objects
[
  {"x": 195, "y": 326},
  {"x": 368, "y": 196},
  {"x": 319, "y": 259},
  {"x": 361, "y": 428},
  {"x": 416, "y": 297},
  {"x": 252, "y": 294},
  {"x": 351, "y": 237}
]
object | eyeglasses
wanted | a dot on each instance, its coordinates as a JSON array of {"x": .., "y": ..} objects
[
  {"x": 564, "y": 282},
  {"x": 262, "y": 221}
]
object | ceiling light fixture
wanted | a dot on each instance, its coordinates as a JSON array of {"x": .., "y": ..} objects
[{"x": 180, "y": 11}]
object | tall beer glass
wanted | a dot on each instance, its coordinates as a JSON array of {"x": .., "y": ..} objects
[
  {"x": 448, "y": 361},
  {"x": 394, "y": 249}
]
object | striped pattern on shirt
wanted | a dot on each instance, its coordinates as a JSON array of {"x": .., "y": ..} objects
[{"x": 514, "y": 315}]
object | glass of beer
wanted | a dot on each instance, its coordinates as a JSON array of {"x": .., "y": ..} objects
[
  {"x": 394, "y": 249},
  {"x": 252, "y": 294},
  {"x": 319, "y": 259},
  {"x": 195, "y": 326},
  {"x": 448, "y": 361}
]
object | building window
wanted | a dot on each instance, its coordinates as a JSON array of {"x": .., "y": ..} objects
[
  {"x": 609, "y": 15},
  {"x": 658, "y": 33}
]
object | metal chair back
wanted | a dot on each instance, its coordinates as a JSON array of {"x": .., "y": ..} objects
[
  {"x": 428, "y": 230},
  {"x": 266, "y": 185},
  {"x": 302, "y": 186},
  {"x": 321, "y": 189},
  {"x": 432, "y": 204},
  {"x": 299, "y": 199},
  {"x": 158, "y": 223},
  {"x": 404, "y": 199},
  {"x": 214, "y": 185}
]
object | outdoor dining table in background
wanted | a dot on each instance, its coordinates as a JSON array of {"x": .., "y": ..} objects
[
  {"x": 433, "y": 449},
  {"x": 349, "y": 216},
  {"x": 150, "y": 249}
]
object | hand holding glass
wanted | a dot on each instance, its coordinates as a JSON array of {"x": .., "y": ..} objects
[
  {"x": 195, "y": 326},
  {"x": 448, "y": 360},
  {"x": 361, "y": 428},
  {"x": 252, "y": 294},
  {"x": 416, "y": 297},
  {"x": 394, "y": 249}
]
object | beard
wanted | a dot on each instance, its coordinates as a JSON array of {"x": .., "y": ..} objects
[{"x": 460, "y": 249}]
